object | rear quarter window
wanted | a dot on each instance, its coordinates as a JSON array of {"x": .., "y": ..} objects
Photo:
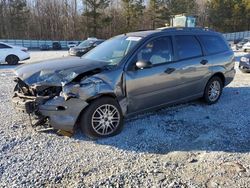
[{"x": 213, "y": 44}]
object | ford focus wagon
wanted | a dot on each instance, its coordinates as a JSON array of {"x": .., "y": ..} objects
[{"x": 126, "y": 75}]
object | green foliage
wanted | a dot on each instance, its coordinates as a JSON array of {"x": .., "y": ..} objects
[
  {"x": 133, "y": 11},
  {"x": 94, "y": 13},
  {"x": 182, "y": 6},
  {"x": 159, "y": 13},
  {"x": 229, "y": 15},
  {"x": 78, "y": 19},
  {"x": 18, "y": 15}
]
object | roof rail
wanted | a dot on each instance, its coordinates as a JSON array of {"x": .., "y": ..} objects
[{"x": 185, "y": 29}]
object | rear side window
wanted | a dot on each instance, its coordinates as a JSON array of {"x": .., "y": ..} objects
[
  {"x": 2, "y": 46},
  {"x": 188, "y": 47},
  {"x": 213, "y": 44}
]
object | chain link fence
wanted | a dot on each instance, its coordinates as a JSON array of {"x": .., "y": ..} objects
[
  {"x": 237, "y": 35},
  {"x": 35, "y": 44}
]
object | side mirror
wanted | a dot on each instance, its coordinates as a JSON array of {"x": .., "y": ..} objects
[{"x": 143, "y": 64}]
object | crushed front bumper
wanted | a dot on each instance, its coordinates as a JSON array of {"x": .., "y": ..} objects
[
  {"x": 62, "y": 114},
  {"x": 28, "y": 106}
]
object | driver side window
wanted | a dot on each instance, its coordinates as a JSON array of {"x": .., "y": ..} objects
[{"x": 157, "y": 51}]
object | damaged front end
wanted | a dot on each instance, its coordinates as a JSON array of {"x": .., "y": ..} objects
[
  {"x": 59, "y": 105},
  {"x": 45, "y": 106}
]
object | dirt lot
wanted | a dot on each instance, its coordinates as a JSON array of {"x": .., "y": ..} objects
[{"x": 189, "y": 145}]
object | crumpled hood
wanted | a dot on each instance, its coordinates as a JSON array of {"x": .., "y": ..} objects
[{"x": 56, "y": 72}]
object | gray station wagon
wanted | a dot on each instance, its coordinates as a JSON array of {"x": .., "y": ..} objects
[{"x": 126, "y": 75}]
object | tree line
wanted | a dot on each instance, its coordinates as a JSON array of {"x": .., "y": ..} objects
[{"x": 78, "y": 19}]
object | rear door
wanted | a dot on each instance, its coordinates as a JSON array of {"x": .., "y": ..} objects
[{"x": 193, "y": 65}]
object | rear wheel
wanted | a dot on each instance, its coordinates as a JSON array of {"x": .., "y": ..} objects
[
  {"x": 213, "y": 90},
  {"x": 12, "y": 60},
  {"x": 102, "y": 118}
]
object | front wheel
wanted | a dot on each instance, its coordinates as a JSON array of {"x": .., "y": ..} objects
[
  {"x": 102, "y": 118},
  {"x": 213, "y": 90}
]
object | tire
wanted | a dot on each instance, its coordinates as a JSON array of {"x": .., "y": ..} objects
[
  {"x": 12, "y": 60},
  {"x": 94, "y": 121},
  {"x": 213, "y": 90}
]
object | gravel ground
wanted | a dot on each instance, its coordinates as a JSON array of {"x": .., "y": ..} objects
[{"x": 189, "y": 145}]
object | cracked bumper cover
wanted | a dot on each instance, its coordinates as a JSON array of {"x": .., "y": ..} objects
[{"x": 63, "y": 114}]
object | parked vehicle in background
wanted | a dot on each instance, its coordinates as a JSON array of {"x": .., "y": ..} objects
[
  {"x": 126, "y": 75},
  {"x": 72, "y": 44},
  {"x": 56, "y": 46},
  {"x": 236, "y": 41},
  {"x": 244, "y": 64},
  {"x": 231, "y": 45},
  {"x": 12, "y": 54},
  {"x": 44, "y": 47},
  {"x": 84, "y": 47},
  {"x": 246, "y": 47},
  {"x": 241, "y": 43}
]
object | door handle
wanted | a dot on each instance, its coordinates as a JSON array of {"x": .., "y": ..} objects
[
  {"x": 204, "y": 62},
  {"x": 169, "y": 70}
]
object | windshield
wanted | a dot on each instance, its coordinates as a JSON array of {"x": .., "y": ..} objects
[
  {"x": 86, "y": 43},
  {"x": 113, "y": 50}
]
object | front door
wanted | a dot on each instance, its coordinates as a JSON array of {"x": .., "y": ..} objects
[{"x": 156, "y": 85}]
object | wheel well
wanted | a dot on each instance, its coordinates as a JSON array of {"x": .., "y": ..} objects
[
  {"x": 221, "y": 76},
  {"x": 111, "y": 95},
  {"x": 12, "y": 55}
]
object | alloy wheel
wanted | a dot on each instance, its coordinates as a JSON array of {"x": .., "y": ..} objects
[
  {"x": 105, "y": 119},
  {"x": 214, "y": 90}
]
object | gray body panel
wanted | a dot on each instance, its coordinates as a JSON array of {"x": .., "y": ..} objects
[
  {"x": 135, "y": 90},
  {"x": 157, "y": 87}
]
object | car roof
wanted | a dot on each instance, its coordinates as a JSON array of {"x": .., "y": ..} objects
[
  {"x": 173, "y": 30},
  {"x": 142, "y": 33}
]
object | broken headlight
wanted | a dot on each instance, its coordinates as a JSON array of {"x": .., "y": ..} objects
[
  {"x": 87, "y": 88},
  {"x": 70, "y": 91}
]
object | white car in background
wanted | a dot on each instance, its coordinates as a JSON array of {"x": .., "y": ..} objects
[
  {"x": 12, "y": 54},
  {"x": 246, "y": 47},
  {"x": 72, "y": 44}
]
